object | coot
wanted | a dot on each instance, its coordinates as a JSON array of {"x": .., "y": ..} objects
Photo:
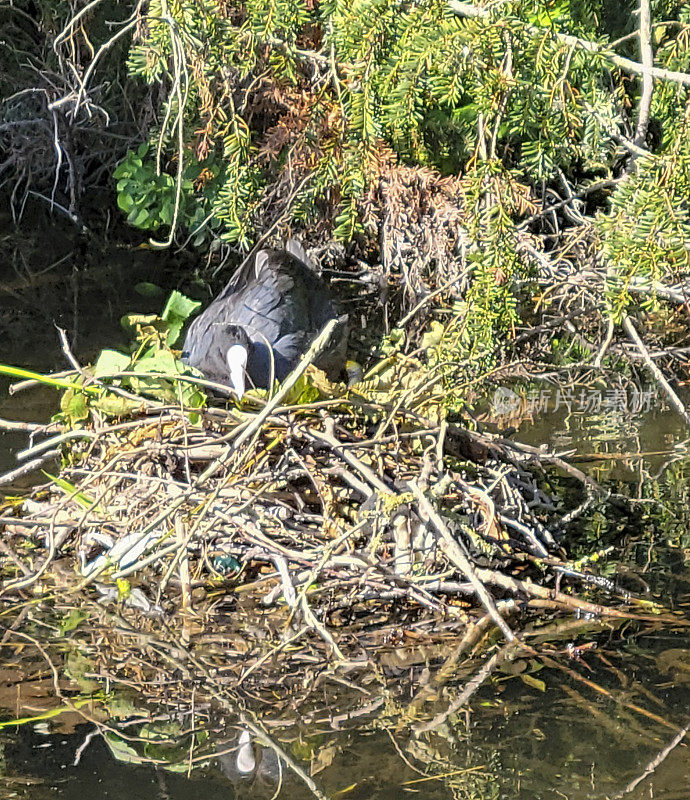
[{"x": 263, "y": 322}]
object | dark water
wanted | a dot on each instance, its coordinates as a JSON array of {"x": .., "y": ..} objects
[
  {"x": 583, "y": 725},
  {"x": 53, "y": 276},
  {"x": 591, "y": 731}
]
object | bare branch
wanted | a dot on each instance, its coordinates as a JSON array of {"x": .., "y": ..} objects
[
  {"x": 626, "y": 64},
  {"x": 647, "y": 56}
]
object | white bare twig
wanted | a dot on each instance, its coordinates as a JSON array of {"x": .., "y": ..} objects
[
  {"x": 676, "y": 402},
  {"x": 625, "y": 64},
  {"x": 647, "y": 56}
]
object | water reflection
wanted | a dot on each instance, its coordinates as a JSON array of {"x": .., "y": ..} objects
[{"x": 581, "y": 721}]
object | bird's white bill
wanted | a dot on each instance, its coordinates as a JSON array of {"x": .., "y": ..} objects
[
  {"x": 246, "y": 760},
  {"x": 236, "y": 358}
]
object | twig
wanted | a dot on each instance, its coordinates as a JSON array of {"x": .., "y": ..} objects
[
  {"x": 27, "y": 468},
  {"x": 366, "y": 472},
  {"x": 67, "y": 350},
  {"x": 605, "y": 344},
  {"x": 676, "y": 402},
  {"x": 555, "y": 599},
  {"x": 404, "y": 320},
  {"x": 654, "y": 763},
  {"x": 14, "y": 425},
  {"x": 647, "y": 57},
  {"x": 185, "y": 582},
  {"x": 456, "y": 554},
  {"x": 54, "y": 440},
  {"x": 470, "y": 687},
  {"x": 180, "y": 71}
]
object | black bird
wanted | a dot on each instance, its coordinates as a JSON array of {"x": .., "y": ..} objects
[{"x": 263, "y": 322}]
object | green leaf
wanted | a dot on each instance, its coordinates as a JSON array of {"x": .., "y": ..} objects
[
  {"x": 433, "y": 337},
  {"x": 166, "y": 213},
  {"x": 176, "y": 312},
  {"x": 179, "y": 306},
  {"x": 303, "y": 392},
  {"x": 192, "y": 397},
  {"x": 200, "y": 238},
  {"x": 146, "y": 289},
  {"x": 114, "y": 406},
  {"x": 535, "y": 683},
  {"x": 138, "y": 219},
  {"x": 72, "y": 621},
  {"x": 163, "y": 361},
  {"x": 110, "y": 362},
  {"x": 121, "y": 750},
  {"x": 125, "y": 202},
  {"x": 77, "y": 666},
  {"x": 74, "y": 406}
]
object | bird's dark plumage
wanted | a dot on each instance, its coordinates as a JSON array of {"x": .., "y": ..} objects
[{"x": 275, "y": 304}]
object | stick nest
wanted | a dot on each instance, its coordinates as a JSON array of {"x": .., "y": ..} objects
[{"x": 362, "y": 507}]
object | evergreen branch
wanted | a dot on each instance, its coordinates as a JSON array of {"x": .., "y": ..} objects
[
  {"x": 616, "y": 135},
  {"x": 625, "y": 64}
]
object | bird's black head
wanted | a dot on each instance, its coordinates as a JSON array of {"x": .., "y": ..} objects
[
  {"x": 231, "y": 335},
  {"x": 236, "y": 348},
  {"x": 236, "y": 334}
]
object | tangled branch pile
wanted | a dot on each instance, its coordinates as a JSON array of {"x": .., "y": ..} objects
[{"x": 359, "y": 505}]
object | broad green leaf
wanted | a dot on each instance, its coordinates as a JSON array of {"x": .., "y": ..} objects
[
  {"x": 74, "y": 406},
  {"x": 76, "y": 667},
  {"x": 113, "y": 406},
  {"x": 432, "y": 338},
  {"x": 163, "y": 361},
  {"x": 192, "y": 397},
  {"x": 139, "y": 218},
  {"x": 121, "y": 750},
  {"x": 146, "y": 289},
  {"x": 72, "y": 621},
  {"x": 303, "y": 392},
  {"x": 166, "y": 213},
  {"x": 176, "y": 312},
  {"x": 125, "y": 202},
  {"x": 179, "y": 306},
  {"x": 110, "y": 362}
]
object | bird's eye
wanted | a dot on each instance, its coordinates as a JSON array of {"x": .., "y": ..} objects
[{"x": 185, "y": 354}]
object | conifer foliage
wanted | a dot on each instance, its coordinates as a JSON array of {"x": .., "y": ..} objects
[
  {"x": 310, "y": 113},
  {"x": 308, "y": 108},
  {"x": 331, "y": 89}
]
